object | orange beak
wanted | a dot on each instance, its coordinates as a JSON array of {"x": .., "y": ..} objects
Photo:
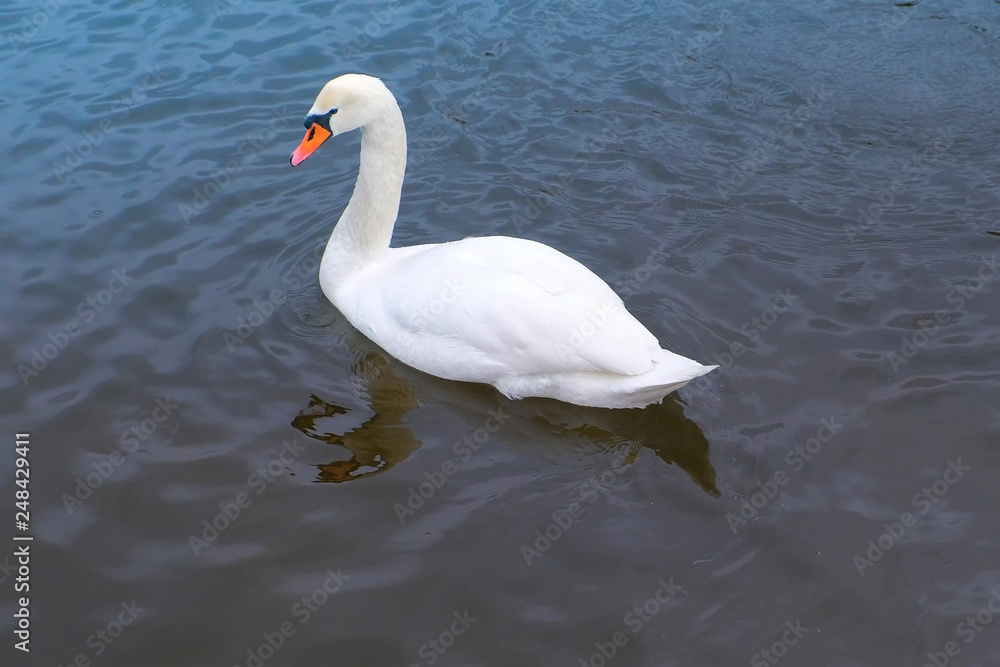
[{"x": 315, "y": 136}]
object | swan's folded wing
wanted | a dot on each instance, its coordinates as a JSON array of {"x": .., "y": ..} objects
[{"x": 484, "y": 308}]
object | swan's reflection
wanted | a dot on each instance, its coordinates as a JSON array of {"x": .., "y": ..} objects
[
  {"x": 384, "y": 440},
  {"x": 380, "y": 442}
]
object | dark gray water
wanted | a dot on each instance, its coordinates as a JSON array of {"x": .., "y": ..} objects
[{"x": 804, "y": 193}]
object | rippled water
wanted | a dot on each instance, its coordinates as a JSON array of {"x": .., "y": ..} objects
[{"x": 806, "y": 194}]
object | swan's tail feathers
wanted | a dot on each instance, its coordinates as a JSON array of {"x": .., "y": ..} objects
[
  {"x": 665, "y": 379},
  {"x": 704, "y": 370},
  {"x": 607, "y": 390}
]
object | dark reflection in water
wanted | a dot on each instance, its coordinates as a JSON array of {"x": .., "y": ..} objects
[{"x": 383, "y": 441}]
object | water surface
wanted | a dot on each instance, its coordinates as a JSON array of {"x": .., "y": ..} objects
[{"x": 804, "y": 193}]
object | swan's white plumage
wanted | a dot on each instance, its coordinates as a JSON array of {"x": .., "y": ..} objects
[{"x": 504, "y": 311}]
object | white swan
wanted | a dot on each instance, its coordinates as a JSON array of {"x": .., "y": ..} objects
[{"x": 508, "y": 312}]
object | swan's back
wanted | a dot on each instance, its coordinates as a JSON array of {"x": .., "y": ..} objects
[{"x": 487, "y": 309}]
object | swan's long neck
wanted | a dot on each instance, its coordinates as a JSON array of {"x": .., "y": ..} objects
[{"x": 364, "y": 230}]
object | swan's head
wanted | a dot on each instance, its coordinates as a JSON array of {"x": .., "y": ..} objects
[{"x": 346, "y": 103}]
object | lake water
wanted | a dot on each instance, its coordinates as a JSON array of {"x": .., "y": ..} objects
[{"x": 223, "y": 472}]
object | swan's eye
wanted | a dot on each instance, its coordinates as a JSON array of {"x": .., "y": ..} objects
[{"x": 323, "y": 119}]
